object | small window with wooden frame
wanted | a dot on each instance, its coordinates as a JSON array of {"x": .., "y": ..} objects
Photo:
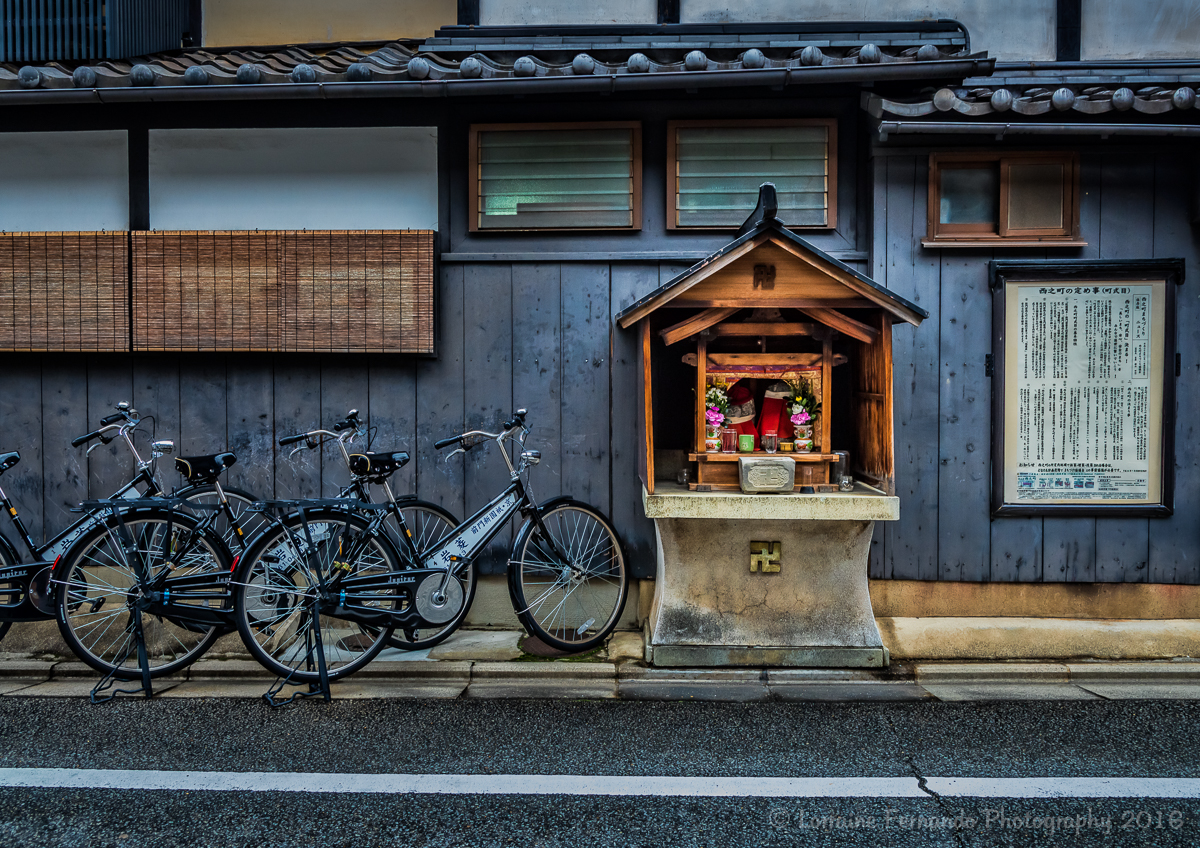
[
  {"x": 568, "y": 176},
  {"x": 715, "y": 168},
  {"x": 987, "y": 198}
]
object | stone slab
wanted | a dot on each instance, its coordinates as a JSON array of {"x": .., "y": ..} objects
[
  {"x": 992, "y": 673},
  {"x": 1008, "y": 692},
  {"x": 245, "y": 687},
  {"x": 28, "y": 669},
  {"x": 428, "y": 687},
  {"x": 655, "y": 684},
  {"x": 1158, "y": 672},
  {"x": 401, "y": 669},
  {"x": 9, "y": 685},
  {"x": 543, "y": 680},
  {"x": 226, "y": 669},
  {"x": 625, "y": 647},
  {"x": 863, "y": 504},
  {"x": 850, "y": 691},
  {"x": 719, "y": 656},
  {"x": 81, "y": 688},
  {"x": 482, "y": 645},
  {"x": 1145, "y": 691}
]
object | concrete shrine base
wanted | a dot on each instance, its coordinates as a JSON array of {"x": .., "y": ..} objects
[{"x": 710, "y": 609}]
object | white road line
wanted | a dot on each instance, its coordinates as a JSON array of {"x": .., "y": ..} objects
[{"x": 602, "y": 785}]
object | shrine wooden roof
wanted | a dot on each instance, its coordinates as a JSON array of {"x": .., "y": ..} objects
[{"x": 807, "y": 277}]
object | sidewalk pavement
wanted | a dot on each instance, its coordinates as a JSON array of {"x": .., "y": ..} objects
[{"x": 492, "y": 664}]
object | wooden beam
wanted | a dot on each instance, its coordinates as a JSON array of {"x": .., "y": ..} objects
[
  {"x": 701, "y": 391},
  {"x": 761, "y": 329},
  {"x": 843, "y": 324},
  {"x": 826, "y": 396},
  {"x": 781, "y": 303},
  {"x": 716, "y": 361},
  {"x": 695, "y": 324},
  {"x": 646, "y": 413}
]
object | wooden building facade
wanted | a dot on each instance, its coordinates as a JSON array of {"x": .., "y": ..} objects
[{"x": 526, "y": 317}]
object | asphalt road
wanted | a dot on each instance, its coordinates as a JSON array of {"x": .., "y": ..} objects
[{"x": 762, "y": 740}]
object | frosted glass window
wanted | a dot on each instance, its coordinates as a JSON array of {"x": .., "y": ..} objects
[
  {"x": 718, "y": 171},
  {"x": 557, "y": 178},
  {"x": 970, "y": 195},
  {"x": 1035, "y": 196}
]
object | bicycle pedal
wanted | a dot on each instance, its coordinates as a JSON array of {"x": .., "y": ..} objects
[{"x": 342, "y": 566}]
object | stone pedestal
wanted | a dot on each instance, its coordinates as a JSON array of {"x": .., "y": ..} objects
[{"x": 710, "y": 609}]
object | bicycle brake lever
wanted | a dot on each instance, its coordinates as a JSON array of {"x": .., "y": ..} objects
[
  {"x": 93, "y": 447},
  {"x": 453, "y": 452}
]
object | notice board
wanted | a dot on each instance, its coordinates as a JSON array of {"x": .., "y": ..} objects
[{"x": 1083, "y": 387}]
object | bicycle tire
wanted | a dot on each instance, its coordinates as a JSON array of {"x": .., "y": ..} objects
[
  {"x": 273, "y": 587},
  {"x": 425, "y": 536},
  {"x": 240, "y": 500},
  {"x": 572, "y": 612},
  {"x": 95, "y": 572}
]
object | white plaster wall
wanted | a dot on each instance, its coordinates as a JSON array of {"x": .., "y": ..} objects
[
  {"x": 567, "y": 12},
  {"x": 291, "y": 179},
  {"x": 64, "y": 181},
  {"x": 1014, "y": 30},
  {"x": 1140, "y": 29}
]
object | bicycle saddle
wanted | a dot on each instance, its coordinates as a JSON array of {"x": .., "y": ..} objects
[
  {"x": 8, "y": 460},
  {"x": 377, "y": 465},
  {"x": 204, "y": 469}
]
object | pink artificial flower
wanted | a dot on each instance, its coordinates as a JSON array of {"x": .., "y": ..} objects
[
  {"x": 713, "y": 416},
  {"x": 801, "y": 417}
]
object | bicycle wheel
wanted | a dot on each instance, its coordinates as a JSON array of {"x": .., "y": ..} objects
[
  {"x": 100, "y": 584},
  {"x": 276, "y": 595},
  {"x": 430, "y": 524},
  {"x": 572, "y": 605},
  {"x": 252, "y": 523}
]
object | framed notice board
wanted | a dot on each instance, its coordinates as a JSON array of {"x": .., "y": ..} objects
[{"x": 1083, "y": 387}]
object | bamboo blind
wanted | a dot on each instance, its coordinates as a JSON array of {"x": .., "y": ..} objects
[
  {"x": 311, "y": 291},
  {"x": 64, "y": 292}
]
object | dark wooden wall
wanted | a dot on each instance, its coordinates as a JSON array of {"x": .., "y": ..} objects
[
  {"x": 1135, "y": 205},
  {"x": 517, "y": 334}
]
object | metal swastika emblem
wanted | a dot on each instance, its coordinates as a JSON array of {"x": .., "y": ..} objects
[{"x": 765, "y": 556}]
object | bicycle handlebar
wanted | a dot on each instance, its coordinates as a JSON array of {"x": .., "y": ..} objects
[
  {"x": 291, "y": 440},
  {"x": 84, "y": 439},
  {"x": 445, "y": 443}
]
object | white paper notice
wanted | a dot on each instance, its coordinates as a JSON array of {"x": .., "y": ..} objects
[{"x": 1084, "y": 396}]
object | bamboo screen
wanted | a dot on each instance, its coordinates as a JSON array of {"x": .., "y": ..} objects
[
  {"x": 64, "y": 292},
  {"x": 319, "y": 291}
]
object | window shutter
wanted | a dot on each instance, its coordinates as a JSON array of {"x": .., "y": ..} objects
[
  {"x": 557, "y": 178},
  {"x": 718, "y": 171}
]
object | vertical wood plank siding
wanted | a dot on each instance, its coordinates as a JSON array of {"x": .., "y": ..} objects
[{"x": 1132, "y": 207}]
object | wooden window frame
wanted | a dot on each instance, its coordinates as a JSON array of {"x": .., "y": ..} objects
[
  {"x": 831, "y": 160},
  {"x": 473, "y": 171},
  {"x": 986, "y": 235}
]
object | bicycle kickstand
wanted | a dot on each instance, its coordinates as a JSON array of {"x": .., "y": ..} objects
[
  {"x": 109, "y": 680},
  {"x": 321, "y": 687}
]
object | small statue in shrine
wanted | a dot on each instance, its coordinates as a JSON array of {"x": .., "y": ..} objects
[
  {"x": 741, "y": 411},
  {"x": 776, "y": 411}
]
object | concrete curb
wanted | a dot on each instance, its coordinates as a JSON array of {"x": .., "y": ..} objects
[{"x": 634, "y": 681}]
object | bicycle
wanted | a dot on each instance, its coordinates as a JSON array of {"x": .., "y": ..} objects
[
  {"x": 567, "y": 575},
  {"x": 25, "y": 592},
  {"x": 415, "y": 524}
]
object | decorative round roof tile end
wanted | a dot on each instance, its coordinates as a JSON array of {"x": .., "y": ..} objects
[
  {"x": 195, "y": 75},
  {"x": 83, "y": 77},
  {"x": 1002, "y": 99},
  {"x": 754, "y": 59},
  {"x": 249, "y": 74},
  {"x": 638, "y": 63},
  {"x": 1183, "y": 98},
  {"x": 418, "y": 68},
  {"x": 141, "y": 75},
  {"x": 811, "y": 56},
  {"x": 944, "y": 100},
  {"x": 1122, "y": 99},
  {"x": 524, "y": 67},
  {"x": 304, "y": 73},
  {"x": 1062, "y": 99},
  {"x": 870, "y": 54},
  {"x": 695, "y": 61},
  {"x": 29, "y": 77},
  {"x": 928, "y": 53},
  {"x": 359, "y": 72},
  {"x": 583, "y": 64},
  {"x": 470, "y": 68}
]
